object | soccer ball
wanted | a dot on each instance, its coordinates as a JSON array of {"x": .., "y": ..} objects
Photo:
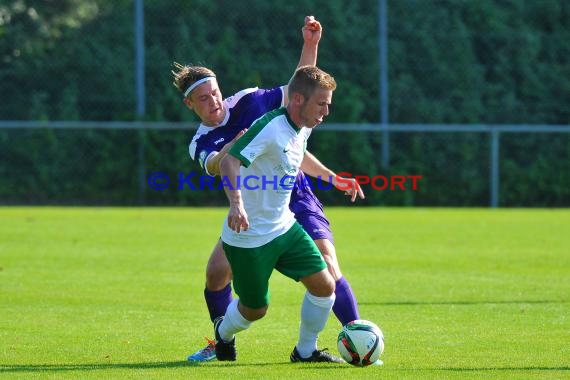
[{"x": 360, "y": 342}]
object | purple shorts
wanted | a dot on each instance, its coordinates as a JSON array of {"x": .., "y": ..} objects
[{"x": 315, "y": 224}]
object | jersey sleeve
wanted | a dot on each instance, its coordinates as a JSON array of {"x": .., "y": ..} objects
[
  {"x": 255, "y": 142},
  {"x": 201, "y": 149},
  {"x": 271, "y": 99}
]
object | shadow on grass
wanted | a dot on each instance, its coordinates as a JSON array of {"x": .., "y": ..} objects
[
  {"x": 86, "y": 367},
  {"x": 475, "y": 369},
  {"x": 455, "y": 369},
  {"x": 14, "y": 368},
  {"x": 408, "y": 303},
  {"x": 19, "y": 368}
]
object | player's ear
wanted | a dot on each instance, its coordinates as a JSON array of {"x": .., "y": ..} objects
[
  {"x": 298, "y": 98},
  {"x": 189, "y": 103}
]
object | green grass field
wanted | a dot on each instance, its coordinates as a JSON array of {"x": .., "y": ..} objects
[{"x": 118, "y": 293}]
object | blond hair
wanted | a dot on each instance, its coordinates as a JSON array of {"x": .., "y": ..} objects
[
  {"x": 308, "y": 78},
  {"x": 185, "y": 75}
]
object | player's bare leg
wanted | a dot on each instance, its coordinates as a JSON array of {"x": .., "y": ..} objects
[
  {"x": 218, "y": 270},
  {"x": 345, "y": 307}
]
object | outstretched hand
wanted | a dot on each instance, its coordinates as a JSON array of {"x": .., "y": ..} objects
[
  {"x": 350, "y": 186},
  {"x": 312, "y": 30}
]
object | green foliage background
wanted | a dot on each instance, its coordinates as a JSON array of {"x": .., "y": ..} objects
[{"x": 450, "y": 61}]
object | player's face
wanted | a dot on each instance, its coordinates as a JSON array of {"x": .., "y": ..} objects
[
  {"x": 315, "y": 108},
  {"x": 206, "y": 101}
]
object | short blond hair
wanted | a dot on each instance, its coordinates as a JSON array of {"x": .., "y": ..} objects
[
  {"x": 308, "y": 78},
  {"x": 185, "y": 75}
]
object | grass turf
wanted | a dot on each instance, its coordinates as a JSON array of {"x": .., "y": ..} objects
[{"x": 117, "y": 293}]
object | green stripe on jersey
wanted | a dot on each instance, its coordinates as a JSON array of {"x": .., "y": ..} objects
[{"x": 252, "y": 132}]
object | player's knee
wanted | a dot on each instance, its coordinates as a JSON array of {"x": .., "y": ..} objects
[
  {"x": 323, "y": 290},
  {"x": 260, "y": 313},
  {"x": 320, "y": 284},
  {"x": 216, "y": 281},
  {"x": 329, "y": 286},
  {"x": 217, "y": 276},
  {"x": 253, "y": 314}
]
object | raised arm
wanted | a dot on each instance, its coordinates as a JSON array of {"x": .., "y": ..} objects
[
  {"x": 316, "y": 169},
  {"x": 312, "y": 31}
]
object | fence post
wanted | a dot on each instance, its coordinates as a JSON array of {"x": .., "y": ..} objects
[
  {"x": 140, "y": 94},
  {"x": 495, "y": 141},
  {"x": 383, "y": 47}
]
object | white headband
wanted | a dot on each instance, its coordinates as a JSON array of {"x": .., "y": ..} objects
[{"x": 196, "y": 84}]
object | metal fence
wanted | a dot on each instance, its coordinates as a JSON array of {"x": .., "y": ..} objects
[
  {"x": 380, "y": 37},
  {"x": 141, "y": 168}
]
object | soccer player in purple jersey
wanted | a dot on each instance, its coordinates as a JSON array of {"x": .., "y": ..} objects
[{"x": 223, "y": 122}]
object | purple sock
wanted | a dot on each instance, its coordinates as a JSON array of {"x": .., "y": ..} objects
[
  {"x": 345, "y": 307},
  {"x": 218, "y": 301}
]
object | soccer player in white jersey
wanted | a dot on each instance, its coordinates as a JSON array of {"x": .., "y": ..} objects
[
  {"x": 261, "y": 233},
  {"x": 223, "y": 121}
]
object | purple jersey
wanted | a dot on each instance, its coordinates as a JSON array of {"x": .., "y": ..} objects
[{"x": 243, "y": 109}]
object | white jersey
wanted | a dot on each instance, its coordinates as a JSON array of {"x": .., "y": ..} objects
[{"x": 271, "y": 152}]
